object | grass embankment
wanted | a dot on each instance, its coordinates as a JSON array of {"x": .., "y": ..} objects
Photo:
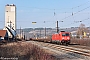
[
  {"x": 83, "y": 42},
  {"x": 24, "y": 51}
]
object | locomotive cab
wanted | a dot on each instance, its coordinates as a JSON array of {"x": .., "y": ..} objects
[
  {"x": 65, "y": 38},
  {"x": 62, "y": 37}
]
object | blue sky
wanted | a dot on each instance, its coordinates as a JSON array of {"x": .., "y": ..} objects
[{"x": 42, "y": 12}]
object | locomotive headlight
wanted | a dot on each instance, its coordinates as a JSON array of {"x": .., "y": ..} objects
[
  {"x": 68, "y": 38},
  {"x": 62, "y": 38}
]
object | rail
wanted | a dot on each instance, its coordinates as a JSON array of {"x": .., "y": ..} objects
[{"x": 80, "y": 51}]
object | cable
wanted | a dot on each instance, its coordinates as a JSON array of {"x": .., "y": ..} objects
[
  {"x": 77, "y": 22},
  {"x": 76, "y": 13},
  {"x": 54, "y": 8},
  {"x": 81, "y": 5}
]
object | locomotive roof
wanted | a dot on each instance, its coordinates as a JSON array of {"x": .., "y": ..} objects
[{"x": 64, "y": 32}]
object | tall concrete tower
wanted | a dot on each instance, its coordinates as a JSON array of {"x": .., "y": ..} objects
[
  {"x": 10, "y": 16},
  {"x": 10, "y": 20}
]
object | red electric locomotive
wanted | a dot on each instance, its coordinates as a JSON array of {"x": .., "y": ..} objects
[{"x": 62, "y": 37}]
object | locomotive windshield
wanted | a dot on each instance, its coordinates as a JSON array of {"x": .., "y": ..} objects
[{"x": 65, "y": 34}]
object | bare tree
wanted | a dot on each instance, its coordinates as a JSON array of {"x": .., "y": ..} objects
[{"x": 81, "y": 30}]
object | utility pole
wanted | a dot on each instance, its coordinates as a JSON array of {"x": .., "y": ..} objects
[
  {"x": 45, "y": 31},
  {"x": 40, "y": 33},
  {"x": 20, "y": 32},
  {"x": 57, "y": 27},
  {"x": 10, "y": 24},
  {"x": 34, "y": 30}
]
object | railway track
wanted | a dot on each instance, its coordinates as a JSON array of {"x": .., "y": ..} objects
[
  {"x": 81, "y": 51},
  {"x": 84, "y": 52}
]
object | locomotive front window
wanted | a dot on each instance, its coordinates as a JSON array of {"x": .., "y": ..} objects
[{"x": 65, "y": 34}]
